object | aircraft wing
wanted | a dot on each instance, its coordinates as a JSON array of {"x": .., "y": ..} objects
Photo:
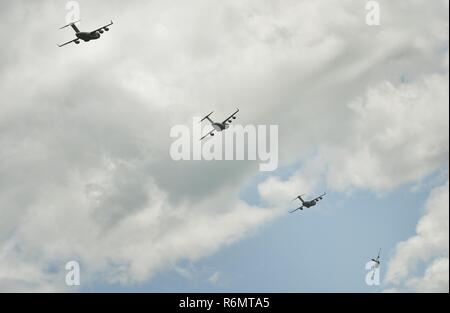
[
  {"x": 208, "y": 134},
  {"x": 320, "y": 197},
  {"x": 68, "y": 42},
  {"x": 94, "y": 31},
  {"x": 300, "y": 208},
  {"x": 231, "y": 116}
]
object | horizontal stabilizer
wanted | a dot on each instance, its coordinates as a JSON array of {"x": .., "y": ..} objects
[
  {"x": 70, "y": 24},
  {"x": 207, "y": 116}
]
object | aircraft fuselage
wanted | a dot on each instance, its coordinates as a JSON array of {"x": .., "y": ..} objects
[
  {"x": 87, "y": 36},
  {"x": 309, "y": 204},
  {"x": 219, "y": 126}
]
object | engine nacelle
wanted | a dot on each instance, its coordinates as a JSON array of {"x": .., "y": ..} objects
[
  {"x": 107, "y": 29},
  {"x": 77, "y": 42}
]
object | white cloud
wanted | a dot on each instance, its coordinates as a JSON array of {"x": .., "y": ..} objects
[
  {"x": 429, "y": 247},
  {"x": 136, "y": 245},
  {"x": 399, "y": 135},
  {"x": 435, "y": 278},
  {"x": 396, "y": 135}
]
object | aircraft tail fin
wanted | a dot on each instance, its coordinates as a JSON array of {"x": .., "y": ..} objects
[
  {"x": 207, "y": 117},
  {"x": 300, "y": 198}
]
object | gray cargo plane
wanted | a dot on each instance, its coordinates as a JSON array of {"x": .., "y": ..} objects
[
  {"x": 85, "y": 36},
  {"x": 219, "y": 126},
  {"x": 308, "y": 204},
  {"x": 377, "y": 260}
]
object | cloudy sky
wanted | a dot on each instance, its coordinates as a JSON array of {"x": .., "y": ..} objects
[{"x": 86, "y": 174}]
